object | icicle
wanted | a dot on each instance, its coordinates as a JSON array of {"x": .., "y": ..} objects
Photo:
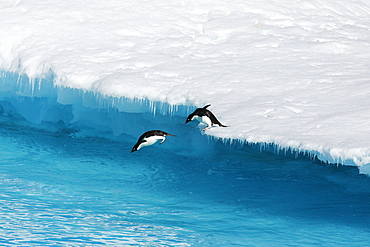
[{"x": 19, "y": 80}]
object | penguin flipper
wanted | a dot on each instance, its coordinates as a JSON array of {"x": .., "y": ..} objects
[{"x": 164, "y": 138}]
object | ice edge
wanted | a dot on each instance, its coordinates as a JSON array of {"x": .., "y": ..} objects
[{"x": 18, "y": 85}]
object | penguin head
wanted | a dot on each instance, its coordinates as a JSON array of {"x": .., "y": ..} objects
[
  {"x": 190, "y": 118},
  {"x": 136, "y": 147}
]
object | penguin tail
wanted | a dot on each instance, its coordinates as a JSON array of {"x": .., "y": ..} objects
[
  {"x": 220, "y": 124},
  {"x": 205, "y": 107}
]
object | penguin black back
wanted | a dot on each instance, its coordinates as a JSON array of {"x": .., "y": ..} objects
[{"x": 205, "y": 116}]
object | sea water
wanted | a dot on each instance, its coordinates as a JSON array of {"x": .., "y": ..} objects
[{"x": 61, "y": 190}]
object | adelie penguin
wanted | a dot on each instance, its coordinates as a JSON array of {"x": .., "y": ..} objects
[
  {"x": 149, "y": 138},
  {"x": 204, "y": 116}
]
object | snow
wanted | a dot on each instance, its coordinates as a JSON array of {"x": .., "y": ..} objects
[{"x": 290, "y": 73}]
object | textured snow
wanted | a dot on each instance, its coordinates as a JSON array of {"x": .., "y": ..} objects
[{"x": 291, "y": 73}]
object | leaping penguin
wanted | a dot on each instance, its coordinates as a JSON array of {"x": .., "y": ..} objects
[
  {"x": 149, "y": 138},
  {"x": 204, "y": 116}
]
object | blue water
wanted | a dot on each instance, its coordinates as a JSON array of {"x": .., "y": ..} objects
[{"x": 59, "y": 190}]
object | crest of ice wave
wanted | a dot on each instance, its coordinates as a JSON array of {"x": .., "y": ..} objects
[{"x": 291, "y": 73}]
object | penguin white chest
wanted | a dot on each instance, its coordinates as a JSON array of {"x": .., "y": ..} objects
[
  {"x": 203, "y": 119},
  {"x": 151, "y": 140}
]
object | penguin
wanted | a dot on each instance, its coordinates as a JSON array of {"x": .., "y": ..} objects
[
  {"x": 149, "y": 138},
  {"x": 204, "y": 116}
]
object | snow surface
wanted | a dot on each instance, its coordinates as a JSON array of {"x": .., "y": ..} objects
[{"x": 291, "y": 73}]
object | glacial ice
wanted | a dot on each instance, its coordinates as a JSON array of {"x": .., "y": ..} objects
[{"x": 292, "y": 75}]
